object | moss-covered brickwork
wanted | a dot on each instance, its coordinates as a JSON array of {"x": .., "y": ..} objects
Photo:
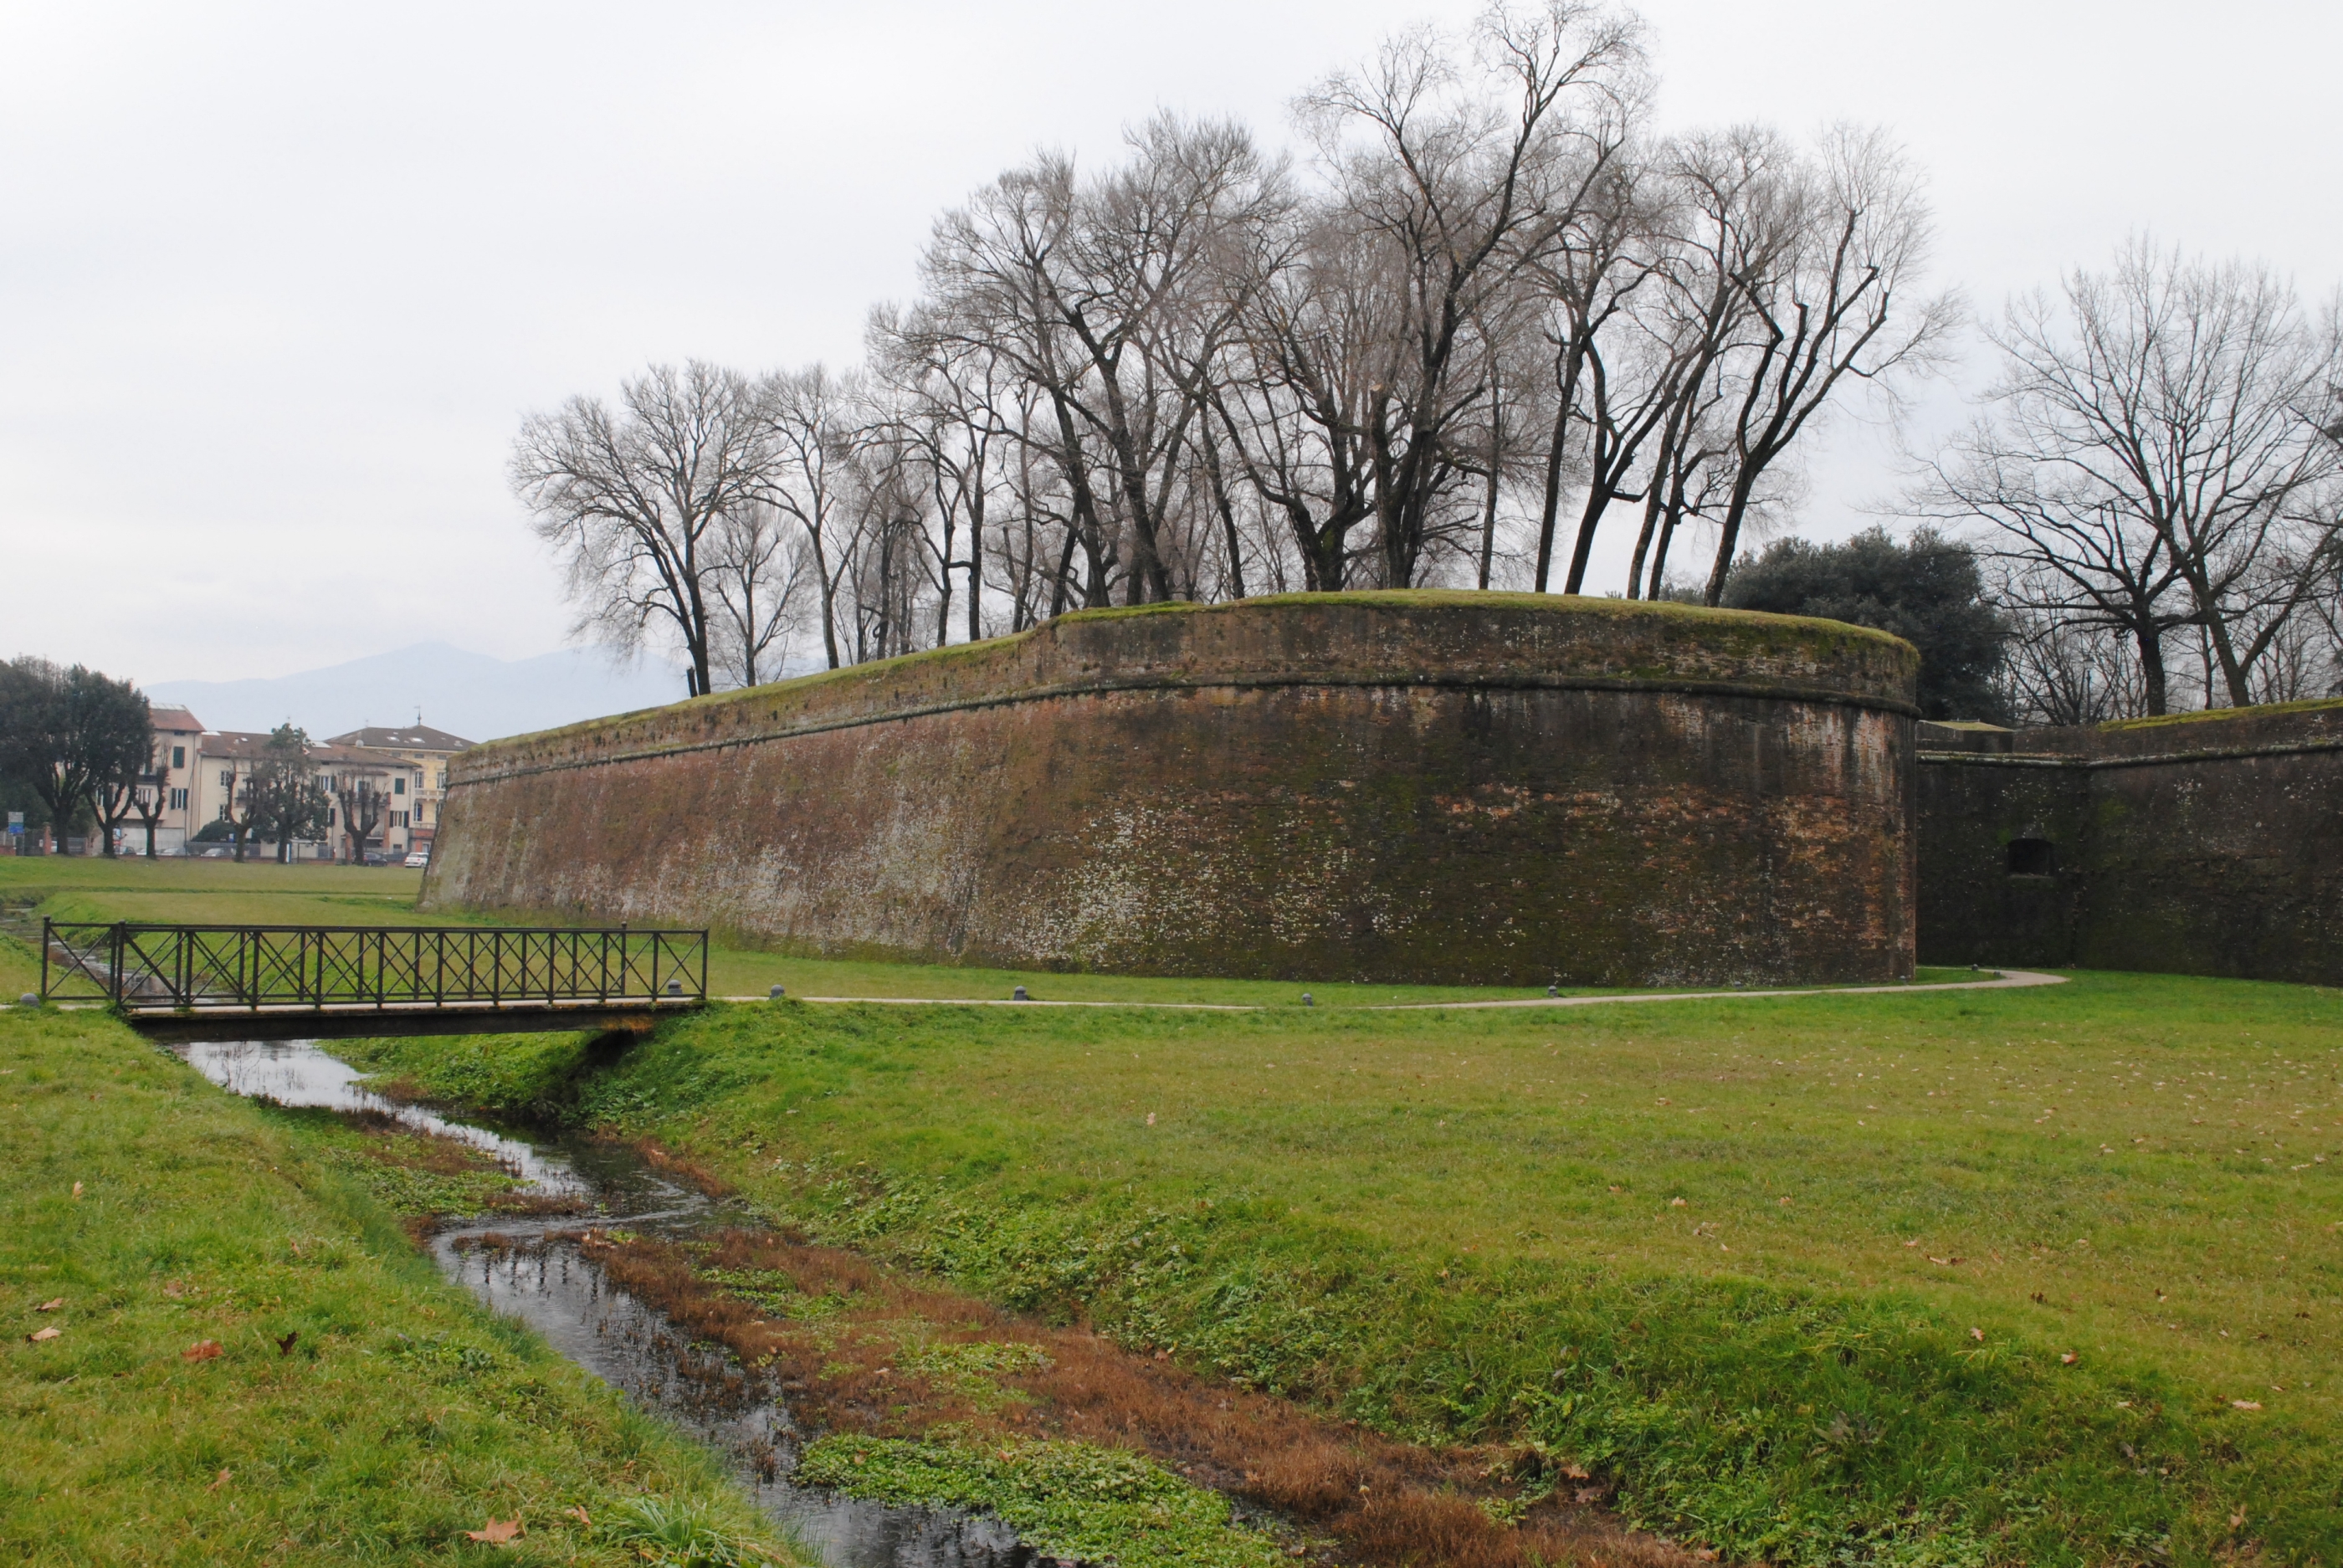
[
  {"x": 1426, "y": 787},
  {"x": 2198, "y": 843}
]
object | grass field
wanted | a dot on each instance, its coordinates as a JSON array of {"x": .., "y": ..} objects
[
  {"x": 2036, "y": 1276},
  {"x": 1804, "y": 1275},
  {"x": 251, "y": 1362}
]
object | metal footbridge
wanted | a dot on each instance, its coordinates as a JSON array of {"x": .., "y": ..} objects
[{"x": 179, "y": 983}]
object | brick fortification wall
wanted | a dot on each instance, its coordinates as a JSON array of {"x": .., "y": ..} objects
[
  {"x": 1400, "y": 786},
  {"x": 2201, "y": 844}
]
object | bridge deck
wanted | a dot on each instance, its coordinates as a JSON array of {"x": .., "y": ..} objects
[{"x": 223, "y": 982}]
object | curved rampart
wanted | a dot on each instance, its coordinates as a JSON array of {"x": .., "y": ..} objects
[{"x": 1426, "y": 787}]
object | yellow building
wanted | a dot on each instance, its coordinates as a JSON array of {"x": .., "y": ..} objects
[
  {"x": 429, "y": 750},
  {"x": 178, "y": 754},
  {"x": 228, "y": 760}
]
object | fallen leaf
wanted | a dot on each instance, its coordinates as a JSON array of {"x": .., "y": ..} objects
[
  {"x": 498, "y": 1532},
  {"x": 50, "y": 1306},
  {"x": 1575, "y": 1472},
  {"x": 201, "y": 1350},
  {"x": 1913, "y": 1242},
  {"x": 1678, "y": 1203},
  {"x": 284, "y": 1344},
  {"x": 221, "y": 1482},
  {"x": 2244, "y": 1404},
  {"x": 41, "y": 1334},
  {"x": 582, "y": 1517},
  {"x": 2238, "y": 1520},
  {"x": 77, "y": 1189},
  {"x": 2067, "y": 1358},
  {"x": 1150, "y": 1118},
  {"x": 1977, "y": 1334},
  {"x": 1785, "y": 1203}
]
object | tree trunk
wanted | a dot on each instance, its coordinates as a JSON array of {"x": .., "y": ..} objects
[
  {"x": 1728, "y": 534},
  {"x": 1557, "y": 449},
  {"x": 2157, "y": 694}
]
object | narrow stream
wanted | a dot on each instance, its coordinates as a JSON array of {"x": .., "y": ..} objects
[{"x": 537, "y": 1276}]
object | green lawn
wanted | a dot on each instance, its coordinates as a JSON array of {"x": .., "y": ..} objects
[
  {"x": 1804, "y": 1274},
  {"x": 183, "y": 1236}
]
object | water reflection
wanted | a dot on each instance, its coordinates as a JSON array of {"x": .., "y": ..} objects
[{"x": 525, "y": 1268}]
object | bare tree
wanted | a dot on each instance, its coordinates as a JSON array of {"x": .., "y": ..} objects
[
  {"x": 2153, "y": 458},
  {"x": 1194, "y": 372},
  {"x": 811, "y": 418},
  {"x": 630, "y": 498},
  {"x": 756, "y": 579},
  {"x": 364, "y": 798},
  {"x": 150, "y": 801},
  {"x": 1836, "y": 306},
  {"x": 1460, "y": 183},
  {"x": 281, "y": 796}
]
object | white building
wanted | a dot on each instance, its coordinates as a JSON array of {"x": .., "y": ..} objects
[{"x": 225, "y": 761}]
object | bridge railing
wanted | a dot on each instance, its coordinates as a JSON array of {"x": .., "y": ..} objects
[{"x": 167, "y": 968}]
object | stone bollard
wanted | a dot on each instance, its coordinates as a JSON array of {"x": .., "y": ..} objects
[
  {"x": 1308, "y": 1000},
  {"x": 779, "y": 992},
  {"x": 1018, "y": 995}
]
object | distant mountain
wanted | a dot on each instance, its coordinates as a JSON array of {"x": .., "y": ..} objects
[{"x": 468, "y": 694}]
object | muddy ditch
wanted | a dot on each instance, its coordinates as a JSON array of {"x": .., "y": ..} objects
[{"x": 782, "y": 1354}]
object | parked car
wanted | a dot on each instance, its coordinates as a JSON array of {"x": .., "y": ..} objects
[
  {"x": 215, "y": 854},
  {"x": 418, "y": 860}
]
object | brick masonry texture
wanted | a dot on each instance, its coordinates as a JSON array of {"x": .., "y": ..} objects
[
  {"x": 2208, "y": 843},
  {"x": 1424, "y": 787}
]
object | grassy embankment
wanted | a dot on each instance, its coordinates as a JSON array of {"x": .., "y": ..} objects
[
  {"x": 251, "y": 1362},
  {"x": 1899, "y": 1217},
  {"x": 1804, "y": 1277}
]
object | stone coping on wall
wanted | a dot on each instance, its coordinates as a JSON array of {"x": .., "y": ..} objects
[
  {"x": 1460, "y": 638},
  {"x": 2279, "y": 729}
]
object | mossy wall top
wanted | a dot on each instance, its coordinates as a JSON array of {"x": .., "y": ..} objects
[{"x": 1403, "y": 786}]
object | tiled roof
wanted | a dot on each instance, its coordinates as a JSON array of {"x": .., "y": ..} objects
[
  {"x": 237, "y": 744},
  {"x": 404, "y": 738},
  {"x": 175, "y": 719}
]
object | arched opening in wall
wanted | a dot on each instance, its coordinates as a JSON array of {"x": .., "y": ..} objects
[{"x": 2032, "y": 858}]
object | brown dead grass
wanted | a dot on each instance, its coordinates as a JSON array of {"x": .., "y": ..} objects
[
  {"x": 1378, "y": 1502},
  {"x": 390, "y": 1141}
]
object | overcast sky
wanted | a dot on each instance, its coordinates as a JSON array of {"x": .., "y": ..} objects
[{"x": 278, "y": 282}]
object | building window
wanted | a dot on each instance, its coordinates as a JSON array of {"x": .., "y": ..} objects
[
  {"x": 399, "y": 819},
  {"x": 398, "y": 785},
  {"x": 227, "y": 777},
  {"x": 178, "y": 756},
  {"x": 2032, "y": 858},
  {"x": 178, "y": 800}
]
